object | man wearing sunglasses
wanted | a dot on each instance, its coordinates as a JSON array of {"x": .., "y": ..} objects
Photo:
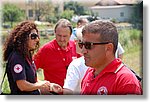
[
  {"x": 77, "y": 68},
  {"x": 107, "y": 75},
  {"x": 55, "y": 56}
]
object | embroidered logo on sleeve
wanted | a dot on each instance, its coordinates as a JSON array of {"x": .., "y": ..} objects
[{"x": 18, "y": 68}]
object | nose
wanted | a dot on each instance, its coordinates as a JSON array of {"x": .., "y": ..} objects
[
  {"x": 61, "y": 38},
  {"x": 37, "y": 39}
]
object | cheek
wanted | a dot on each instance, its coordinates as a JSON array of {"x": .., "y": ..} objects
[
  {"x": 98, "y": 54},
  {"x": 67, "y": 39},
  {"x": 57, "y": 37},
  {"x": 30, "y": 43}
]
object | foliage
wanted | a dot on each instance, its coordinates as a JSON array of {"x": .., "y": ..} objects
[
  {"x": 132, "y": 44},
  {"x": 67, "y": 14},
  {"x": 51, "y": 19},
  {"x": 44, "y": 10},
  {"x": 114, "y": 20},
  {"x": 12, "y": 13},
  {"x": 76, "y": 7},
  {"x": 137, "y": 16},
  {"x": 129, "y": 38}
]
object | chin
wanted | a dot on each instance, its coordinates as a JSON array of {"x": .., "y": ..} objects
[
  {"x": 87, "y": 64},
  {"x": 32, "y": 49}
]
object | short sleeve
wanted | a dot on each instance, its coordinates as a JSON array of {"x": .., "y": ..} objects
[{"x": 17, "y": 67}]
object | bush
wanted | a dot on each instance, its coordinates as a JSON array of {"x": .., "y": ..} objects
[{"x": 129, "y": 38}]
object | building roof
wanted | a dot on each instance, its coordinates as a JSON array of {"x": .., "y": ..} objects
[
  {"x": 106, "y": 7},
  {"x": 115, "y": 2}
]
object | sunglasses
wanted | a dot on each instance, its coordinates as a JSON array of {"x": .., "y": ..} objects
[
  {"x": 34, "y": 36},
  {"x": 88, "y": 45}
]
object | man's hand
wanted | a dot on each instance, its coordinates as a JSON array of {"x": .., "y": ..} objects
[{"x": 55, "y": 88}]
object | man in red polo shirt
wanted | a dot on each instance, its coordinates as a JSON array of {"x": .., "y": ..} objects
[
  {"x": 107, "y": 75},
  {"x": 55, "y": 56}
]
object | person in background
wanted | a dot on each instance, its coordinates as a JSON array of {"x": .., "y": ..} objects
[
  {"x": 119, "y": 51},
  {"x": 20, "y": 68},
  {"x": 75, "y": 73},
  {"x": 80, "y": 23},
  {"x": 77, "y": 68},
  {"x": 55, "y": 56},
  {"x": 106, "y": 75}
]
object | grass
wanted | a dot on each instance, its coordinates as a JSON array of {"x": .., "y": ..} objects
[
  {"x": 45, "y": 40},
  {"x": 133, "y": 58},
  {"x": 131, "y": 42}
]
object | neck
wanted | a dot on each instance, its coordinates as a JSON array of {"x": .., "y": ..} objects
[
  {"x": 29, "y": 56},
  {"x": 102, "y": 66}
]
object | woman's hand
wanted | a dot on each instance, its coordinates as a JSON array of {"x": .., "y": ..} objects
[{"x": 44, "y": 87}]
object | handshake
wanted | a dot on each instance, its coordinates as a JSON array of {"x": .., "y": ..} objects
[
  {"x": 55, "y": 88},
  {"x": 47, "y": 88}
]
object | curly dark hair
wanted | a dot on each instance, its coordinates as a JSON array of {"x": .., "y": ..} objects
[{"x": 18, "y": 38}]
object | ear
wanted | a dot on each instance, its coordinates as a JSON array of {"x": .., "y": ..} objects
[{"x": 109, "y": 48}]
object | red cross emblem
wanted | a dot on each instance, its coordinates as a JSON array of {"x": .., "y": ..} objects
[
  {"x": 102, "y": 91},
  {"x": 18, "y": 68}
]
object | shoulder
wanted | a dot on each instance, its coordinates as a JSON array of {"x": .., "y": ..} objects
[
  {"x": 127, "y": 82},
  {"x": 16, "y": 56},
  {"x": 16, "y": 59},
  {"x": 78, "y": 65},
  {"x": 125, "y": 70},
  {"x": 126, "y": 74},
  {"x": 47, "y": 46},
  {"x": 71, "y": 43},
  {"x": 79, "y": 62}
]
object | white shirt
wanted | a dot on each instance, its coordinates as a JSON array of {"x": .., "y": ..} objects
[{"x": 75, "y": 73}]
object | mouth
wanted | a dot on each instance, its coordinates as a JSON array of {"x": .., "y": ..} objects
[
  {"x": 86, "y": 57},
  {"x": 35, "y": 44}
]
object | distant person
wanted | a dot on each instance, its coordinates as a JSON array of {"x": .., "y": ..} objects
[
  {"x": 20, "y": 68},
  {"x": 80, "y": 23},
  {"x": 107, "y": 75},
  {"x": 55, "y": 56},
  {"x": 119, "y": 51}
]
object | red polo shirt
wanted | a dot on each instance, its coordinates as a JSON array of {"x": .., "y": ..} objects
[
  {"x": 54, "y": 61},
  {"x": 115, "y": 79}
]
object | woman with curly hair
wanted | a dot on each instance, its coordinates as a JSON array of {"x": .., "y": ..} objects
[{"x": 20, "y": 68}]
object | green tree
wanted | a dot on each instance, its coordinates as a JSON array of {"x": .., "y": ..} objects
[
  {"x": 137, "y": 16},
  {"x": 12, "y": 13},
  {"x": 76, "y": 7},
  {"x": 67, "y": 14},
  {"x": 44, "y": 10}
]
